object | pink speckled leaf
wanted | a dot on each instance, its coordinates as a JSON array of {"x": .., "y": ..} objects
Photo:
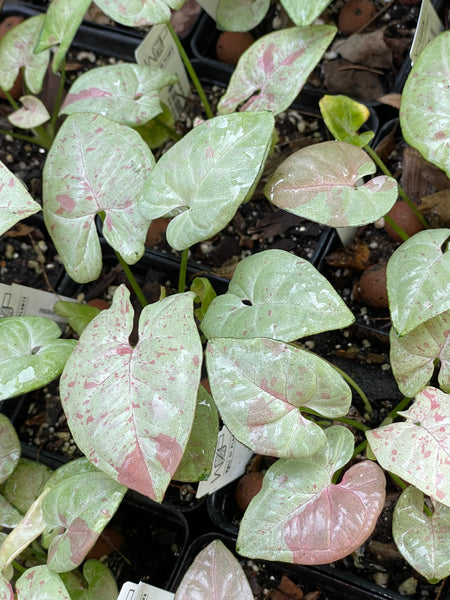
[
  {"x": 131, "y": 409},
  {"x": 78, "y": 508},
  {"x": 240, "y": 15},
  {"x": 62, "y": 20},
  {"x": 418, "y": 449},
  {"x": 136, "y": 13},
  {"x": 17, "y": 50},
  {"x": 6, "y": 591},
  {"x": 424, "y": 540},
  {"x": 271, "y": 73},
  {"x": 15, "y": 201},
  {"x": 32, "y": 113},
  {"x": 215, "y": 574},
  {"x": 321, "y": 183},
  {"x": 300, "y": 516},
  {"x": 40, "y": 583},
  {"x": 126, "y": 93},
  {"x": 260, "y": 387},
  {"x": 95, "y": 165},
  {"x": 413, "y": 356}
]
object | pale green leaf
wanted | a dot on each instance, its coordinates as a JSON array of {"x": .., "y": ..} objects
[
  {"x": 78, "y": 315},
  {"x": 32, "y": 113},
  {"x": 10, "y": 449},
  {"x": 344, "y": 116},
  {"x": 41, "y": 583},
  {"x": 101, "y": 584},
  {"x": 26, "y": 483},
  {"x": 136, "y": 13},
  {"x": 240, "y": 15},
  {"x": 15, "y": 201},
  {"x": 10, "y": 517},
  {"x": 304, "y": 12},
  {"x": 418, "y": 279},
  {"x": 277, "y": 295},
  {"x": 322, "y": 183}
]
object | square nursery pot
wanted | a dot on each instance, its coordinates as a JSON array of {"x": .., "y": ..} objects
[
  {"x": 343, "y": 579},
  {"x": 124, "y": 39},
  {"x": 207, "y": 48},
  {"x": 265, "y": 577}
]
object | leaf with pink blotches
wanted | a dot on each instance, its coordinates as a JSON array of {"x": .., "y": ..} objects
[
  {"x": 16, "y": 202},
  {"x": 271, "y": 73},
  {"x": 136, "y": 13},
  {"x": 40, "y": 583},
  {"x": 17, "y": 51},
  {"x": 418, "y": 449},
  {"x": 413, "y": 356},
  {"x": 300, "y": 516},
  {"x": 94, "y": 166},
  {"x": 32, "y": 113},
  {"x": 260, "y": 387},
  {"x": 215, "y": 574},
  {"x": 6, "y": 591},
  {"x": 130, "y": 410}
]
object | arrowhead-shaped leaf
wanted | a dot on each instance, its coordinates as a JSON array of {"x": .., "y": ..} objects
[
  {"x": 412, "y": 356},
  {"x": 126, "y": 93},
  {"x": 32, "y": 114},
  {"x": 9, "y": 448},
  {"x": 215, "y": 574},
  {"x": 79, "y": 508},
  {"x": 25, "y": 484},
  {"x": 31, "y": 355},
  {"x": 418, "y": 449},
  {"x": 300, "y": 516},
  {"x": 240, "y": 15},
  {"x": 304, "y": 12},
  {"x": 15, "y": 201},
  {"x": 101, "y": 584},
  {"x": 62, "y": 19},
  {"x": 17, "y": 50},
  {"x": 81, "y": 180},
  {"x": 418, "y": 279},
  {"x": 271, "y": 73},
  {"x": 321, "y": 183},
  {"x": 423, "y": 540},
  {"x": 199, "y": 454},
  {"x": 217, "y": 165},
  {"x": 344, "y": 116},
  {"x": 425, "y": 106},
  {"x": 277, "y": 295},
  {"x": 40, "y": 583},
  {"x": 130, "y": 410},
  {"x": 260, "y": 387},
  {"x": 136, "y": 13}
]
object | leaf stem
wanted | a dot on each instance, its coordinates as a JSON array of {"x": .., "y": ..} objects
[
  {"x": 59, "y": 99},
  {"x": 131, "y": 278},
  {"x": 182, "y": 273},
  {"x": 190, "y": 70},
  {"x": 173, "y": 134},
  {"x": 391, "y": 416},
  {"x": 356, "y": 387}
]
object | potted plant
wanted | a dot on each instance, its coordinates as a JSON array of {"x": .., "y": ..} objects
[{"x": 131, "y": 407}]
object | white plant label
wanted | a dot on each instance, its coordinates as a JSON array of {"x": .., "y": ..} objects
[
  {"x": 429, "y": 26},
  {"x": 19, "y": 300},
  {"x": 230, "y": 460},
  {"x": 143, "y": 591},
  {"x": 159, "y": 50},
  {"x": 210, "y": 6}
]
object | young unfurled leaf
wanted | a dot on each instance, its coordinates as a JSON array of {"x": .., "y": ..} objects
[
  {"x": 300, "y": 516},
  {"x": 215, "y": 574},
  {"x": 418, "y": 449},
  {"x": 321, "y": 183},
  {"x": 130, "y": 410},
  {"x": 260, "y": 387},
  {"x": 304, "y": 12},
  {"x": 218, "y": 164},
  {"x": 31, "y": 355},
  {"x": 425, "y": 105},
  {"x": 136, "y": 13},
  {"x": 199, "y": 454},
  {"x": 78, "y": 508},
  {"x": 41, "y": 583},
  {"x": 271, "y": 73},
  {"x": 78, "y": 315},
  {"x": 17, "y": 50},
  {"x": 15, "y": 202},
  {"x": 32, "y": 114},
  {"x": 101, "y": 584},
  {"x": 81, "y": 180},
  {"x": 277, "y": 295},
  {"x": 423, "y": 540},
  {"x": 9, "y": 448},
  {"x": 26, "y": 483},
  {"x": 240, "y": 15},
  {"x": 413, "y": 355},
  {"x": 62, "y": 20},
  {"x": 418, "y": 279},
  {"x": 344, "y": 116},
  {"x": 126, "y": 93}
]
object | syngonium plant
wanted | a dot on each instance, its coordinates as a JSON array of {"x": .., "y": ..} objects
[{"x": 272, "y": 394}]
